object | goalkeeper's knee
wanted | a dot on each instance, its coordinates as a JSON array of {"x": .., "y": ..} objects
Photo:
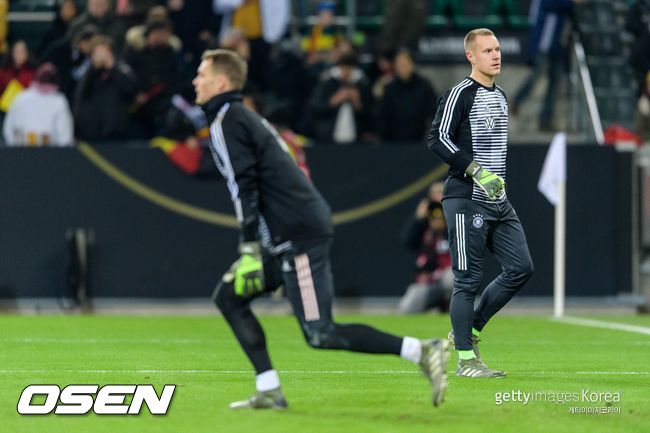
[
  {"x": 225, "y": 299},
  {"x": 322, "y": 335},
  {"x": 220, "y": 294},
  {"x": 518, "y": 274}
]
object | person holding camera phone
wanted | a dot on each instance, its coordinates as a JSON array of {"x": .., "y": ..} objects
[
  {"x": 103, "y": 94},
  {"x": 426, "y": 235},
  {"x": 341, "y": 104}
]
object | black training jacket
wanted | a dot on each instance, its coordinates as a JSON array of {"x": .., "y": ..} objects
[
  {"x": 471, "y": 123},
  {"x": 274, "y": 202}
]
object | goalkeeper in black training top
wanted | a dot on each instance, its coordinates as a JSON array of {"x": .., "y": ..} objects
[
  {"x": 286, "y": 232},
  {"x": 470, "y": 133}
]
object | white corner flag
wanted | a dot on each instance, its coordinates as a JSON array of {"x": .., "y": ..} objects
[
  {"x": 554, "y": 169},
  {"x": 552, "y": 183}
]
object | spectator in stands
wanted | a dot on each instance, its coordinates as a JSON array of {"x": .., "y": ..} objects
[
  {"x": 104, "y": 94},
  {"x": 426, "y": 235},
  {"x": 72, "y": 57},
  {"x": 66, "y": 14},
  {"x": 40, "y": 116},
  {"x": 382, "y": 72},
  {"x": 18, "y": 66},
  {"x": 404, "y": 23},
  {"x": 638, "y": 23},
  {"x": 343, "y": 47},
  {"x": 196, "y": 24},
  {"x": 100, "y": 13},
  {"x": 262, "y": 23},
  {"x": 408, "y": 105},
  {"x": 4, "y": 25},
  {"x": 322, "y": 37},
  {"x": 135, "y": 36},
  {"x": 643, "y": 112},
  {"x": 547, "y": 54},
  {"x": 340, "y": 105},
  {"x": 235, "y": 40},
  {"x": 133, "y": 12},
  {"x": 158, "y": 71},
  {"x": 291, "y": 85},
  {"x": 324, "y": 44}
]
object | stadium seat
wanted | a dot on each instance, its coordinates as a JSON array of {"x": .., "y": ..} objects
[
  {"x": 596, "y": 14},
  {"x": 602, "y": 43},
  {"x": 30, "y": 30},
  {"x": 370, "y": 14},
  {"x": 30, "y": 5},
  {"x": 441, "y": 13},
  {"x": 471, "y": 14},
  {"x": 616, "y": 106},
  {"x": 516, "y": 13},
  {"x": 611, "y": 72},
  {"x": 611, "y": 76}
]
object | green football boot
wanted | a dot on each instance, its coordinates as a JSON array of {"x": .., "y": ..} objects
[
  {"x": 273, "y": 399},
  {"x": 485, "y": 370},
  {"x": 433, "y": 363},
  {"x": 475, "y": 368}
]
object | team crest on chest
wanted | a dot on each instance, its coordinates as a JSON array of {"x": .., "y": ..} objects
[
  {"x": 504, "y": 107},
  {"x": 477, "y": 221}
]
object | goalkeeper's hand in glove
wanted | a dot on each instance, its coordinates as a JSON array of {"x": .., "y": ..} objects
[
  {"x": 248, "y": 270},
  {"x": 489, "y": 182}
]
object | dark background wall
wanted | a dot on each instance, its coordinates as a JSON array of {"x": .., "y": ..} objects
[{"x": 143, "y": 250}]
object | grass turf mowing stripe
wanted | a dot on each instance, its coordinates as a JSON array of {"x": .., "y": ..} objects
[
  {"x": 29, "y": 340},
  {"x": 540, "y": 356}
]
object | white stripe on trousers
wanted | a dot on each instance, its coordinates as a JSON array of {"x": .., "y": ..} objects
[
  {"x": 460, "y": 242},
  {"x": 307, "y": 289}
]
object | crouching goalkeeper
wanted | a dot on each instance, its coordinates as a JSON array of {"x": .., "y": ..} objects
[{"x": 285, "y": 238}]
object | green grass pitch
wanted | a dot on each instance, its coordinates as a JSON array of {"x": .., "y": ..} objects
[{"x": 328, "y": 391}]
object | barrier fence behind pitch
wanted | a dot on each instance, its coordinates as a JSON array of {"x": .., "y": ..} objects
[{"x": 160, "y": 233}]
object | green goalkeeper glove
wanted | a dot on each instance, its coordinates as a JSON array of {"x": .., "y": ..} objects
[
  {"x": 248, "y": 270},
  {"x": 489, "y": 182}
]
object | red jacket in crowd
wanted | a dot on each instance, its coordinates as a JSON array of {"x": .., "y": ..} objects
[{"x": 24, "y": 75}]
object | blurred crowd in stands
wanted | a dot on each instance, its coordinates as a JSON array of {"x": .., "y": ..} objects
[
  {"x": 120, "y": 70},
  {"x": 111, "y": 71}
]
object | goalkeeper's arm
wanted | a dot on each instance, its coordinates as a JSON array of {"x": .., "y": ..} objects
[{"x": 249, "y": 269}]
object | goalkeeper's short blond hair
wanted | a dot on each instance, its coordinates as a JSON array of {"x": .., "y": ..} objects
[
  {"x": 470, "y": 37},
  {"x": 229, "y": 63}
]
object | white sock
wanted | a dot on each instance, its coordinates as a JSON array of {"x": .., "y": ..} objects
[
  {"x": 267, "y": 381},
  {"x": 411, "y": 349}
]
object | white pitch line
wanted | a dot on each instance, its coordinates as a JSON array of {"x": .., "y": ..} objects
[
  {"x": 603, "y": 324},
  {"x": 395, "y": 372},
  {"x": 28, "y": 340},
  {"x": 313, "y": 372},
  {"x": 641, "y": 373}
]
